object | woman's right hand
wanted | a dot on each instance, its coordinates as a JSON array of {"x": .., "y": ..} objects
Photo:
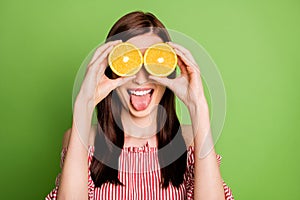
[{"x": 96, "y": 85}]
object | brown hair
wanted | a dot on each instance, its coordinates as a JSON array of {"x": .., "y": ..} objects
[{"x": 110, "y": 137}]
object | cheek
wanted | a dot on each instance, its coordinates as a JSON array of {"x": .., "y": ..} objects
[{"x": 160, "y": 90}]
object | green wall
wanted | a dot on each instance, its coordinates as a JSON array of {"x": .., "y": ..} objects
[{"x": 254, "y": 43}]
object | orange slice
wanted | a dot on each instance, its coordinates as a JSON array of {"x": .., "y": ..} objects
[
  {"x": 125, "y": 59},
  {"x": 160, "y": 59}
]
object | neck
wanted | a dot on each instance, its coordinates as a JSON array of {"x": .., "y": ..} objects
[{"x": 139, "y": 130}]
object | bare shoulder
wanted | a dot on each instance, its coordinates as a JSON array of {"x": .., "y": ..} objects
[
  {"x": 187, "y": 133},
  {"x": 67, "y": 135}
]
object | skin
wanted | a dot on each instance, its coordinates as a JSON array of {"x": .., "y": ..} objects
[
  {"x": 139, "y": 125},
  {"x": 95, "y": 87}
]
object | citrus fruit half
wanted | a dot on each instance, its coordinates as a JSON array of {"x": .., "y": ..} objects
[
  {"x": 160, "y": 59},
  {"x": 125, "y": 59}
]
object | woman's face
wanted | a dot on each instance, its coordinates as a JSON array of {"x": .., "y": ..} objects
[{"x": 141, "y": 95}]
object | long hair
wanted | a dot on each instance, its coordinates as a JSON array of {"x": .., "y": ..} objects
[{"x": 109, "y": 139}]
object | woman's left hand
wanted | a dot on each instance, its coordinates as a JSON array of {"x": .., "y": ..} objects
[{"x": 188, "y": 86}]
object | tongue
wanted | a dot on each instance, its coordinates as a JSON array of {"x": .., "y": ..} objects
[{"x": 140, "y": 102}]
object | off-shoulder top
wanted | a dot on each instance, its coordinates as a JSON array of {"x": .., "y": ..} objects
[{"x": 142, "y": 181}]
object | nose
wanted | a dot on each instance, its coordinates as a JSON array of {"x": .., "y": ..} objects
[{"x": 141, "y": 76}]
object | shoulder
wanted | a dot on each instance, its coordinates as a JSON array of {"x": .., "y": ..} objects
[
  {"x": 188, "y": 136},
  {"x": 67, "y": 135}
]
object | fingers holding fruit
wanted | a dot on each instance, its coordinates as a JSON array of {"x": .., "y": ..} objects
[
  {"x": 188, "y": 86},
  {"x": 96, "y": 85}
]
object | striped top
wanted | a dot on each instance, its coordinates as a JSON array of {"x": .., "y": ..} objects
[{"x": 139, "y": 171}]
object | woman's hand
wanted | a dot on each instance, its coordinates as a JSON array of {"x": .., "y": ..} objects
[
  {"x": 96, "y": 85},
  {"x": 94, "y": 88},
  {"x": 188, "y": 86}
]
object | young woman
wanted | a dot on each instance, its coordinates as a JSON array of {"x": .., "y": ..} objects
[{"x": 131, "y": 153}]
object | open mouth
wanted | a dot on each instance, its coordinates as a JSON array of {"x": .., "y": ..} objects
[
  {"x": 140, "y": 98},
  {"x": 140, "y": 92}
]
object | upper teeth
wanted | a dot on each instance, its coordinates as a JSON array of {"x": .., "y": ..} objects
[{"x": 139, "y": 93}]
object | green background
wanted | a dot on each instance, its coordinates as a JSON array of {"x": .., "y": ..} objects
[{"x": 254, "y": 43}]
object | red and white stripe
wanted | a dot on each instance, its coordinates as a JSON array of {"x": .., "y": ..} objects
[{"x": 139, "y": 171}]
